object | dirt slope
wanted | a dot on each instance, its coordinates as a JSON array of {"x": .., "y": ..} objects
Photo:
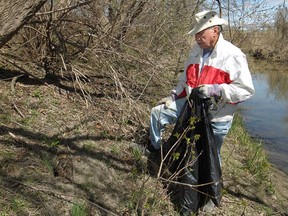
[{"x": 59, "y": 155}]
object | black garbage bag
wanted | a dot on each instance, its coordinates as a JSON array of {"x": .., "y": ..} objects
[{"x": 191, "y": 157}]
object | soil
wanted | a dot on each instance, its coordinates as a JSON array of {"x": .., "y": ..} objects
[{"x": 61, "y": 153}]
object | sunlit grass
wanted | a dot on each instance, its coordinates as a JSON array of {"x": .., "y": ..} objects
[
  {"x": 79, "y": 210},
  {"x": 254, "y": 156}
]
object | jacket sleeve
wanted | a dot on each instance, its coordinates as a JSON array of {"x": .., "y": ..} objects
[
  {"x": 179, "y": 90},
  {"x": 241, "y": 88}
]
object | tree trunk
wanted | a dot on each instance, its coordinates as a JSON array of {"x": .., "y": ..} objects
[{"x": 14, "y": 14}]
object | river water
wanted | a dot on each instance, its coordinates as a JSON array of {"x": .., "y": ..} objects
[{"x": 266, "y": 116}]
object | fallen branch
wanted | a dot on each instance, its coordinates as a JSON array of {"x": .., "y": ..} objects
[
  {"x": 16, "y": 108},
  {"x": 64, "y": 9},
  {"x": 13, "y": 83}
]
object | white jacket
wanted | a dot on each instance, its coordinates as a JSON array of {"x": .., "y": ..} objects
[{"x": 226, "y": 66}]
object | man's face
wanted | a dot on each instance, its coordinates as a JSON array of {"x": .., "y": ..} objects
[{"x": 207, "y": 38}]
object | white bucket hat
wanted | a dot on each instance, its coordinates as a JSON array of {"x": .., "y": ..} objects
[{"x": 206, "y": 19}]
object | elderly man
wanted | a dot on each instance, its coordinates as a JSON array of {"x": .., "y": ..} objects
[{"x": 218, "y": 68}]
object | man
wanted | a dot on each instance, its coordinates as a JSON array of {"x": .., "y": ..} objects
[
  {"x": 220, "y": 71},
  {"x": 218, "y": 68}
]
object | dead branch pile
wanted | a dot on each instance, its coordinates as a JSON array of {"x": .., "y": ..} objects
[{"x": 123, "y": 43}]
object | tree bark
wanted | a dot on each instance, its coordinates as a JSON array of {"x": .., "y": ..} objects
[{"x": 14, "y": 14}]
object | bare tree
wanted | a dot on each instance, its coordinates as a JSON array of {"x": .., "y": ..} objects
[{"x": 281, "y": 22}]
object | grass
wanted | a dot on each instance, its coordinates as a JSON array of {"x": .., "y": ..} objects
[
  {"x": 252, "y": 154},
  {"x": 5, "y": 118},
  {"x": 48, "y": 164},
  {"x": 256, "y": 160},
  {"x": 105, "y": 165},
  {"x": 18, "y": 204},
  {"x": 79, "y": 210}
]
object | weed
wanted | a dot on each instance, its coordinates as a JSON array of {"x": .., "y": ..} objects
[
  {"x": 52, "y": 143},
  {"x": 55, "y": 102},
  {"x": 18, "y": 204},
  {"x": 115, "y": 150},
  {"x": 47, "y": 162},
  {"x": 4, "y": 211},
  {"x": 88, "y": 146},
  {"x": 26, "y": 121},
  {"x": 30, "y": 119},
  {"x": 137, "y": 154},
  {"x": 6, "y": 156},
  {"x": 37, "y": 94},
  {"x": 5, "y": 118},
  {"x": 79, "y": 210}
]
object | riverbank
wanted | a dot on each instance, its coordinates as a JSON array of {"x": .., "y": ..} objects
[
  {"x": 251, "y": 182},
  {"x": 60, "y": 157},
  {"x": 267, "y": 109}
]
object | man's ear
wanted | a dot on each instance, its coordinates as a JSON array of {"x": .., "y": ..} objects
[{"x": 216, "y": 29}]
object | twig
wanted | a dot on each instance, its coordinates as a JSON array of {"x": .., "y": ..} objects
[
  {"x": 178, "y": 63},
  {"x": 63, "y": 62},
  {"x": 16, "y": 108},
  {"x": 63, "y": 9},
  {"x": 118, "y": 82},
  {"x": 13, "y": 82},
  {"x": 170, "y": 150},
  {"x": 151, "y": 76},
  {"x": 86, "y": 95},
  {"x": 193, "y": 187}
]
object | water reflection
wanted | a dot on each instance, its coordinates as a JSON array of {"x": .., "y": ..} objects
[
  {"x": 278, "y": 82},
  {"x": 266, "y": 115}
]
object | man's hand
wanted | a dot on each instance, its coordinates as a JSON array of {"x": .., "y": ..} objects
[
  {"x": 167, "y": 101},
  {"x": 209, "y": 90}
]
